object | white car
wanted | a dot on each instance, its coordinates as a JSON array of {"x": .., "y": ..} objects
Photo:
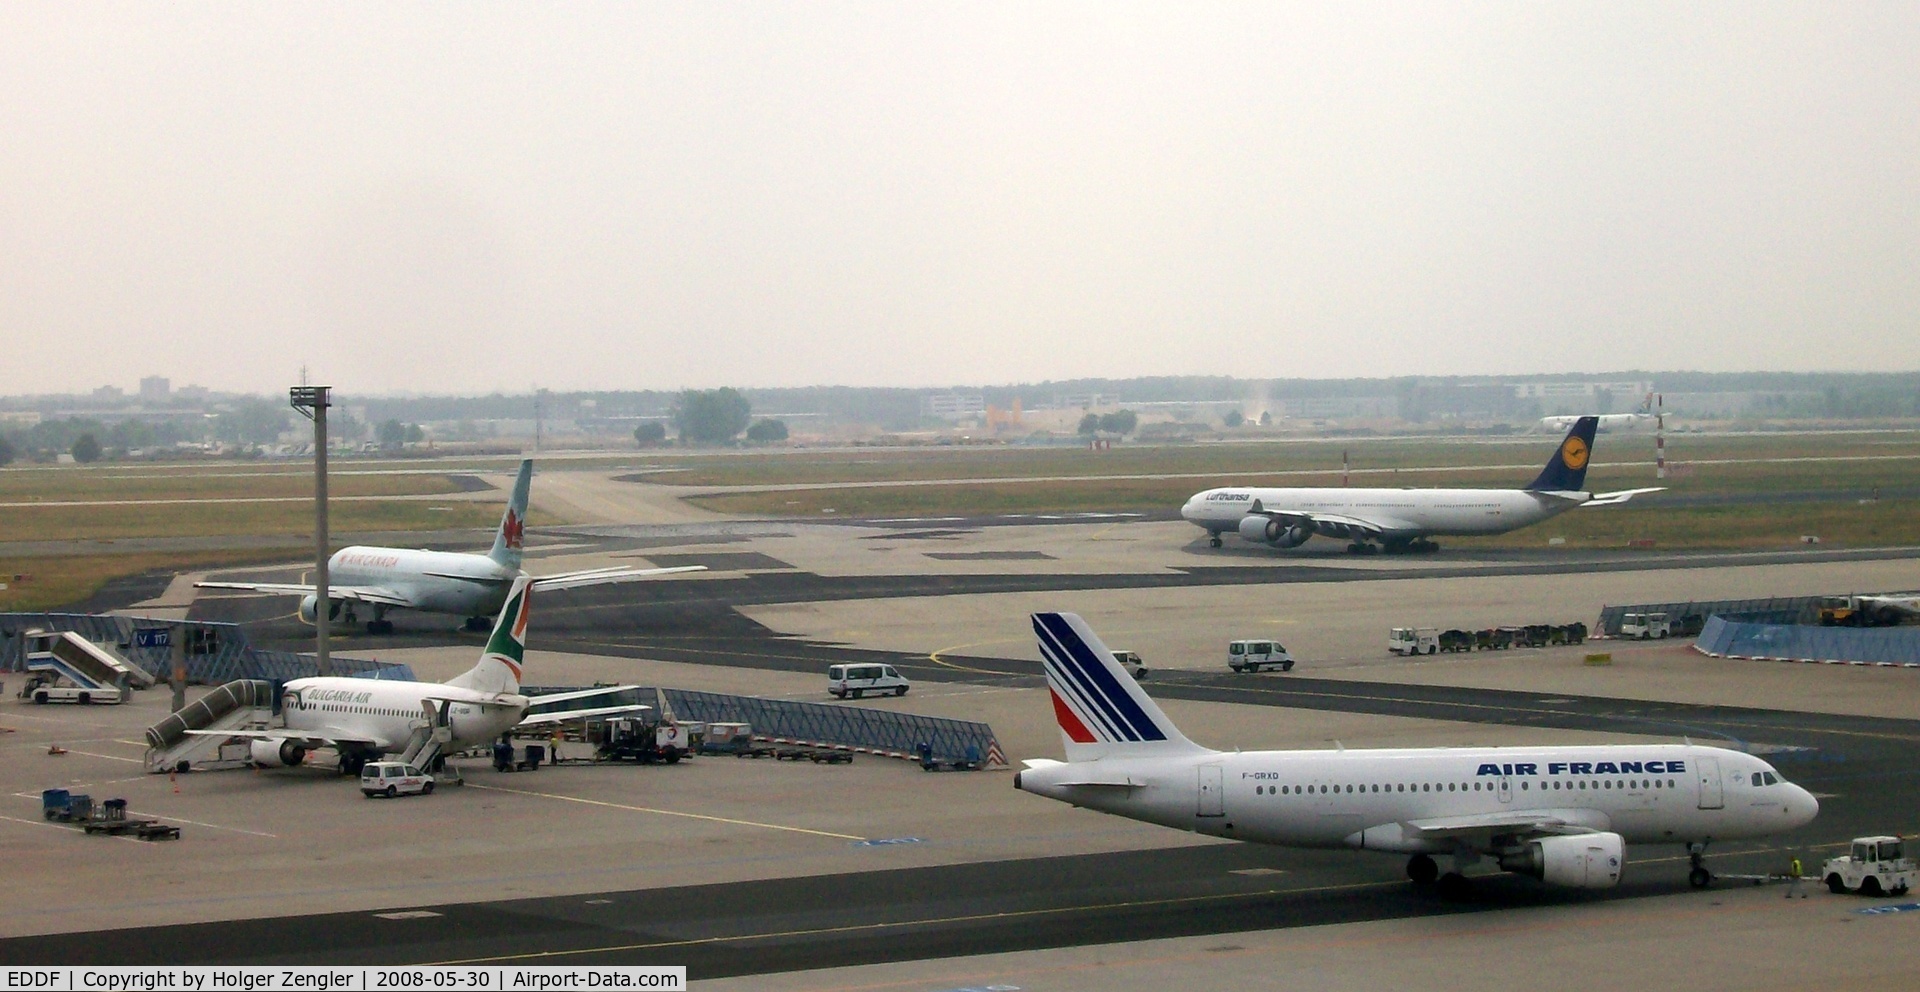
[
  {"x": 393, "y": 778},
  {"x": 858, "y": 680}
]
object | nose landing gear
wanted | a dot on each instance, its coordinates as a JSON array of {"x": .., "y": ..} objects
[{"x": 1699, "y": 877}]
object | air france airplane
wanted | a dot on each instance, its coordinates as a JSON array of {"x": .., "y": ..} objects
[
  {"x": 468, "y": 585},
  {"x": 1563, "y": 815},
  {"x": 362, "y": 719},
  {"x": 1403, "y": 520}
]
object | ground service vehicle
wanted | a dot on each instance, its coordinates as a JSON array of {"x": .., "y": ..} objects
[
  {"x": 1876, "y": 866},
  {"x": 1413, "y": 640},
  {"x": 42, "y": 689},
  {"x": 393, "y": 778},
  {"x": 1252, "y": 656},
  {"x": 1644, "y": 626},
  {"x": 1130, "y": 660},
  {"x": 858, "y": 680}
]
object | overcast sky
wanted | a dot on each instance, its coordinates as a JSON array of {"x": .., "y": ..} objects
[{"x": 467, "y": 197}]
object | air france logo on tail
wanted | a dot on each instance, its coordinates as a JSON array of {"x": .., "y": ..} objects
[
  {"x": 1574, "y": 454},
  {"x": 1089, "y": 702}
]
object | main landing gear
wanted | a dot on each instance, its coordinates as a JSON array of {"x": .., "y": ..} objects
[
  {"x": 1415, "y": 546},
  {"x": 1699, "y": 877},
  {"x": 1213, "y": 540},
  {"x": 1362, "y": 548},
  {"x": 1422, "y": 870}
]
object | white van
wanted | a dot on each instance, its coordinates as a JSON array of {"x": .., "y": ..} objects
[
  {"x": 1252, "y": 656},
  {"x": 393, "y": 778},
  {"x": 858, "y": 680}
]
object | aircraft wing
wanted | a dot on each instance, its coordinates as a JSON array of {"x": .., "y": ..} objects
[
  {"x": 562, "y": 716},
  {"x": 307, "y": 738},
  {"x": 1620, "y": 496},
  {"x": 606, "y": 576},
  {"x": 358, "y": 594},
  {"x": 1334, "y": 524},
  {"x": 561, "y": 697},
  {"x": 1538, "y": 821}
]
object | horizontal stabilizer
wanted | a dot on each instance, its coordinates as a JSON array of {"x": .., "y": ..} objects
[
  {"x": 563, "y": 716},
  {"x": 1621, "y": 496},
  {"x": 606, "y": 576},
  {"x": 358, "y": 594}
]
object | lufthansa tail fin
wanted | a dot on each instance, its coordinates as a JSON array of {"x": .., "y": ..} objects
[
  {"x": 1566, "y": 471},
  {"x": 505, "y": 656},
  {"x": 506, "y": 541},
  {"x": 1101, "y": 710}
]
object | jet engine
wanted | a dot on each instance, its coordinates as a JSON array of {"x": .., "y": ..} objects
[
  {"x": 1275, "y": 531},
  {"x": 307, "y": 608},
  {"x": 1579, "y": 861},
  {"x": 277, "y": 754}
]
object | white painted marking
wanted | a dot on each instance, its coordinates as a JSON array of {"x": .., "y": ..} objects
[{"x": 408, "y": 914}]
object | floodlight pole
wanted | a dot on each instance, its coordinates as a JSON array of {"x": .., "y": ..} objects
[{"x": 311, "y": 402}]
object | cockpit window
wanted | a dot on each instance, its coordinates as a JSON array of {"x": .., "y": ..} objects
[
  {"x": 1771, "y": 780},
  {"x": 1756, "y": 779}
]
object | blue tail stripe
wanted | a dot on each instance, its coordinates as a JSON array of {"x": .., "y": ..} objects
[
  {"x": 1075, "y": 686},
  {"x": 1098, "y": 672}
]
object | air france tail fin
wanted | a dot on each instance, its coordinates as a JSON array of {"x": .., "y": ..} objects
[
  {"x": 506, "y": 542},
  {"x": 1101, "y": 710},
  {"x": 1566, "y": 471},
  {"x": 504, "y": 658}
]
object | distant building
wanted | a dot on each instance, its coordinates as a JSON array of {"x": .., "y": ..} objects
[
  {"x": 108, "y": 394},
  {"x": 196, "y": 394},
  {"x": 953, "y": 406},
  {"x": 1579, "y": 390},
  {"x": 155, "y": 389},
  {"x": 1084, "y": 401},
  {"x": 1341, "y": 408}
]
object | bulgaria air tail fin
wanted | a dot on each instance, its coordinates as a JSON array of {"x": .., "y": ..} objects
[
  {"x": 504, "y": 658},
  {"x": 1566, "y": 471},
  {"x": 1101, "y": 710},
  {"x": 506, "y": 541}
]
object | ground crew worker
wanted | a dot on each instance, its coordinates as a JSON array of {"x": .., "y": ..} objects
[{"x": 1793, "y": 886}]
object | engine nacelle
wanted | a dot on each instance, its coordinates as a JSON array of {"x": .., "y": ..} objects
[
  {"x": 277, "y": 754},
  {"x": 308, "y": 603},
  {"x": 1577, "y": 861},
  {"x": 1275, "y": 531}
]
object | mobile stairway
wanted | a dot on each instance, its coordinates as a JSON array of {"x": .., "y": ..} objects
[
  {"x": 243, "y": 704},
  {"x": 67, "y": 655}
]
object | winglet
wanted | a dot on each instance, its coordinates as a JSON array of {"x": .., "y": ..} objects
[
  {"x": 1566, "y": 471},
  {"x": 506, "y": 541}
]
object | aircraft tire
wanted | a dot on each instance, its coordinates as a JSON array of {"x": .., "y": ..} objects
[
  {"x": 1699, "y": 878},
  {"x": 1214, "y": 541},
  {"x": 1422, "y": 870},
  {"x": 1454, "y": 886}
]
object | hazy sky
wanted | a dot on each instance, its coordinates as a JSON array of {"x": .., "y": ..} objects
[{"x": 466, "y": 197}]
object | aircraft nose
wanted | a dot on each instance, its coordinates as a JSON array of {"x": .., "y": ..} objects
[
  {"x": 1803, "y": 807},
  {"x": 1188, "y": 509}
]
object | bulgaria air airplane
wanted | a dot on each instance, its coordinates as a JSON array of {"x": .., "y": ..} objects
[
  {"x": 363, "y": 719},
  {"x": 1403, "y": 520},
  {"x": 1563, "y": 815},
  {"x": 467, "y": 585}
]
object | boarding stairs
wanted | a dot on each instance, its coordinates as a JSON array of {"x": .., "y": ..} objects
[
  {"x": 431, "y": 738},
  {"x": 70, "y": 656},
  {"x": 243, "y": 704}
]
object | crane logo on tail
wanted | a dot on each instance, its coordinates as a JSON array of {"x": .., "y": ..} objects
[{"x": 1573, "y": 454}]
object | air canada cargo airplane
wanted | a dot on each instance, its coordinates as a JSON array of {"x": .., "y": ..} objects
[
  {"x": 469, "y": 585},
  {"x": 1642, "y": 416},
  {"x": 1563, "y": 815},
  {"x": 1403, "y": 520},
  {"x": 362, "y": 719}
]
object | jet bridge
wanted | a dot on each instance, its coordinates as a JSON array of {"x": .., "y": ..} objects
[{"x": 243, "y": 704}]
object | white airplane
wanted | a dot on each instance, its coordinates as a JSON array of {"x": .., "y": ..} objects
[
  {"x": 362, "y": 719},
  {"x": 1563, "y": 815},
  {"x": 1403, "y": 520},
  {"x": 1641, "y": 417},
  {"x": 468, "y": 585}
]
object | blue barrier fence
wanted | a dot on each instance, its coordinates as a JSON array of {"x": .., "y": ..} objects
[
  {"x": 854, "y": 727},
  {"x": 1690, "y": 617},
  {"x": 216, "y": 653},
  {"x": 1891, "y": 646}
]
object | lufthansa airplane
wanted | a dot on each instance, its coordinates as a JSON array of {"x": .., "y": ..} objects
[
  {"x": 467, "y": 585},
  {"x": 1403, "y": 520},
  {"x": 362, "y": 719},
  {"x": 1564, "y": 815}
]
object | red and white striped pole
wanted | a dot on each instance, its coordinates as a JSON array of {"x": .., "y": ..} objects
[
  {"x": 1343, "y": 469},
  {"x": 1660, "y": 438}
]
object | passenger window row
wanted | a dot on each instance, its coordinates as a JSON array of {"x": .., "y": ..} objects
[{"x": 1582, "y": 785}]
